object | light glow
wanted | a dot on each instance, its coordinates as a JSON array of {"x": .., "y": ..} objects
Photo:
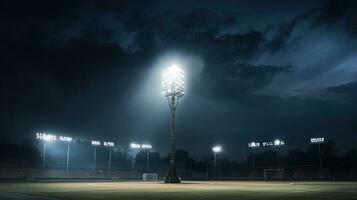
[
  {"x": 275, "y": 143},
  {"x": 109, "y": 144},
  {"x": 253, "y": 144},
  {"x": 278, "y": 142},
  {"x": 46, "y": 137},
  {"x": 95, "y": 143},
  {"x": 65, "y": 139},
  {"x": 135, "y": 146},
  {"x": 173, "y": 81},
  {"x": 317, "y": 140},
  {"x": 146, "y": 146},
  {"x": 217, "y": 149}
]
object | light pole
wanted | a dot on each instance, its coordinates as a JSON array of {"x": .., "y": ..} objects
[
  {"x": 253, "y": 145},
  {"x": 216, "y": 149},
  {"x": 147, "y": 148},
  {"x": 44, "y": 154},
  {"x": 45, "y": 138},
  {"x": 95, "y": 144},
  {"x": 318, "y": 141},
  {"x": 277, "y": 144},
  {"x": 173, "y": 90},
  {"x": 67, "y": 140},
  {"x": 110, "y": 145},
  {"x": 134, "y": 147}
]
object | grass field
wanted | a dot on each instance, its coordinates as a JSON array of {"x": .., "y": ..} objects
[{"x": 221, "y": 190}]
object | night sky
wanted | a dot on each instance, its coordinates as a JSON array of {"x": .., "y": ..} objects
[{"x": 255, "y": 70}]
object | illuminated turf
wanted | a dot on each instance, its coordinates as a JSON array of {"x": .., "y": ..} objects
[{"x": 188, "y": 190}]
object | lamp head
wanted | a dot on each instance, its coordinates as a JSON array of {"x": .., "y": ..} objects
[
  {"x": 46, "y": 137},
  {"x": 217, "y": 149},
  {"x": 173, "y": 81},
  {"x": 135, "y": 146}
]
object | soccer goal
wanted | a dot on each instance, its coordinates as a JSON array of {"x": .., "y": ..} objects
[
  {"x": 149, "y": 177},
  {"x": 273, "y": 173}
]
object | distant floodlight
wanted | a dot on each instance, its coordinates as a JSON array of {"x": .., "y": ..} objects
[
  {"x": 95, "y": 143},
  {"x": 108, "y": 144},
  {"x": 254, "y": 144},
  {"x": 65, "y": 139},
  {"x": 217, "y": 149},
  {"x": 278, "y": 142},
  {"x": 146, "y": 146},
  {"x": 46, "y": 137},
  {"x": 317, "y": 140},
  {"x": 135, "y": 146}
]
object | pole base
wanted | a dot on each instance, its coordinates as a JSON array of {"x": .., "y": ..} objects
[{"x": 172, "y": 176}]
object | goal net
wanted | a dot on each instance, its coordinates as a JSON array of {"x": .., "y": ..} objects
[
  {"x": 273, "y": 173},
  {"x": 149, "y": 177}
]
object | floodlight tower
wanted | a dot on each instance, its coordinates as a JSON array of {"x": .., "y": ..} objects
[
  {"x": 318, "y": 141},
  {"x": 110, "y": 145},
  {"x": 67, "y": 140},
  {"x": 147, "y": 148},
  {"x": 95, "y": 144},
  {"x": 277, "y": 144},
  {"x": 134, "y": 147},
  {"x": 253, "y": 145},
  {"x": 45, "y": 138},
  {"x": 173, "y": 90},
  {"x": 216, "y": 149}
]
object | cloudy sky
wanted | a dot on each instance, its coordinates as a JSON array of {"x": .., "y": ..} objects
[{"x": 255, "y": 70}]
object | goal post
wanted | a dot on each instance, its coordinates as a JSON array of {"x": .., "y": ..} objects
[
  {"x": 149, "y": 177},
  {"x": 273, "y": 173}
]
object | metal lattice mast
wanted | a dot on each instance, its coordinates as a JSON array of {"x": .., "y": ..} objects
[{"x": 173, "y": 89}]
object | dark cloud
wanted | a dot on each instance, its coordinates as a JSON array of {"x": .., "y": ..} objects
[
  {"x": 284, "y": 30},
  {"x": 239, "y": 79},
  {"x": 77, "y": 66},
  {"x": 335, "y": 12}
]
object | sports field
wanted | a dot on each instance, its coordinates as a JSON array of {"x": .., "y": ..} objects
[{"x": 221, "y": 190}]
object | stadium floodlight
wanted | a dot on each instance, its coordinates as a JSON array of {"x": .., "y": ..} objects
[
  {"x": 45, "y": 137},
  {"x": 109, "y": 144},
  {"x": 318, "y": 141},
  {"x": 135, "y": 146},
  {"x": 216, "y": 149},
  {"x": 173, "y": 89},
  {"x": 278, "y": 142},
  {"x": 67, "y": 140},
  {"x": 173, "y": 82},
  {"x": 95, "y": 144},
  {"x": 253, "y": 145},
  {"x": 267, "y": 144},
  {"x": 146, "y": 146}
]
